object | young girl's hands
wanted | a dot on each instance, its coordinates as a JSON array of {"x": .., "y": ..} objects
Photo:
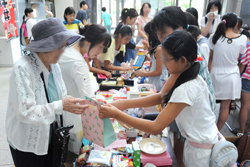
[
  {"x": 145, "y": 44},
  {"x": 108, "y": 111},
  {"x": 211, "y": 17},
  {"x": 140, "y": 73},
  {"x": 108, "y": 74},
  {"x": 101, "y": 101},
  {"x": 127, "y": 69}
]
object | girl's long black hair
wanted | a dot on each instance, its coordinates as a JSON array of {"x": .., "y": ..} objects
[
  {"x": 131, "y": 13},
  {"x": 124, "y": 30},
  {"x": 145, "y": 3},
  {"x": 26, "y": 11},
  {"x": 181, "y": 44},
  {"x": 95, "y": 34},
  {"x": 152, "y": 37},
  {"x": 210, "y": 4},
  {"x": 171, "y": 16},
  {"x": 229, "y": 20}
]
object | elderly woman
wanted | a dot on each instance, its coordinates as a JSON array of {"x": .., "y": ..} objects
[{"x": 38, "y": 95}]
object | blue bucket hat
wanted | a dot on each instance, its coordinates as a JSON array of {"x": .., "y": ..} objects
[{"x": 49, "y": 35}]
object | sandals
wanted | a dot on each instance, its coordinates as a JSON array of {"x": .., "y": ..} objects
[{"x": 232, "y": 105}]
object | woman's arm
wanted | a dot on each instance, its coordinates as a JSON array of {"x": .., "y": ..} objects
[
  {"x": 168, "y": 114},
  {"x": 147, "y": 101},
  {"x": 210, "y": 63},
  {"x": 140, "y": 32},
  {"x": 159, "y": 65}
]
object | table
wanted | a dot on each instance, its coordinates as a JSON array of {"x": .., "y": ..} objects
[{"x": 167, "y": 141}]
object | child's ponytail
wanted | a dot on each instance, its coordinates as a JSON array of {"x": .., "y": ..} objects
[
  {"x": 221, "y": 30},
  {"x": 229, "y": 20}
]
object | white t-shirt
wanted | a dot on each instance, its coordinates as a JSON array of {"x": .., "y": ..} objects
[
  {"x": 75, "y": 72},
  {"x": 213, "y": 27},
  {"x": 225, "y": 54},
  {"x": 196, "y": 122},
  {"x": 29, "y": 25}
]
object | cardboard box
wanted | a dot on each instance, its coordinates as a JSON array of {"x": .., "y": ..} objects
[{"x": 137, "y": 154}]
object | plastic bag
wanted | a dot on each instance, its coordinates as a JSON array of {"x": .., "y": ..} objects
[
  {"x": 146, "y": 88},
  {"x": 102, "y": 157}
]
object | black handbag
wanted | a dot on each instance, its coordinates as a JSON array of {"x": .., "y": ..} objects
[{"x": 59, "y": 140}]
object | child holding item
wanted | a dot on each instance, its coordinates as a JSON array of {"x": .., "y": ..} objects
[
  {"x": 122, "y": 36},
  {"x": 157, "y": 71},
  {"x": 187, "y": 101}
]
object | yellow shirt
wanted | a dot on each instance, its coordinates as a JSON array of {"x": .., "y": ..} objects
[
  {"x": 110, "y": 54},
  {"x": 73, "y": 26}
]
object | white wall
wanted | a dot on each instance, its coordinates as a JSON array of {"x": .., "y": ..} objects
[
  {"x": 61, "y": 5},
  {"x": 10, "y": 51}
]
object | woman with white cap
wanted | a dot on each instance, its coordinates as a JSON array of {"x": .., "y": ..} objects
[{"x": 38, "y": 95}]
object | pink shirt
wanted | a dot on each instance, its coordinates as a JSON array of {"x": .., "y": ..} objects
[
  {"x": 142, "y": 22},
  {"x": 245, "y": 60}
]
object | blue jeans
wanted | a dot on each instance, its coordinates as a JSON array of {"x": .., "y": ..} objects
[{"x": 246, "y": 85}]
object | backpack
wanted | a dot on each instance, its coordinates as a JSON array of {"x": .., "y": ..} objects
[
  {"x": 24, "y": 40},
  {"x": 223, "y": 154},
  {"x": 243, "y": 146}
]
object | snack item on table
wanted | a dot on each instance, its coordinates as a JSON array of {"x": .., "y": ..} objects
[
  {"x": 94, "y": 164},
  {"x": 120, "y": 81},
  {"x": 132, "y": 75},
  {"x": 108, "y": 83},
  {"x": 85, "y": 149},
  {"x": 129, "y": 149},
  {"x": 82, "y": 160},
  {"x": 121, "y": 161}
]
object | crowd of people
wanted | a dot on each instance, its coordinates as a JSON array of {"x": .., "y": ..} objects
[{"x": 193, "y": 66}]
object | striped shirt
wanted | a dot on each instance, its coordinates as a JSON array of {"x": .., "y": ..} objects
[
  {"x": 73, "y": 26},
  {"x": 245, "y": 60}
]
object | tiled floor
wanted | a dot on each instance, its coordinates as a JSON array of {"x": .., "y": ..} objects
[{"x": 5, "y": 156}]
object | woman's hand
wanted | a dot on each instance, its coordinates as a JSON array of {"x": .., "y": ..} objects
[
  {"x": 140, "y": 73},
  {"x": 108, "y": 74},
  {"x": 211, "y": 17},
  {"x": 69, "y": 104},
  {"x": 108, "y": 111}
]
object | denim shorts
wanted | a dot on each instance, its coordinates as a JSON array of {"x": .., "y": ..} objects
[{"x": 246, "y": 85}]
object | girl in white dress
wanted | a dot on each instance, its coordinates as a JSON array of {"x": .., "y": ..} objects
[{"x": 226, "y": 48}]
